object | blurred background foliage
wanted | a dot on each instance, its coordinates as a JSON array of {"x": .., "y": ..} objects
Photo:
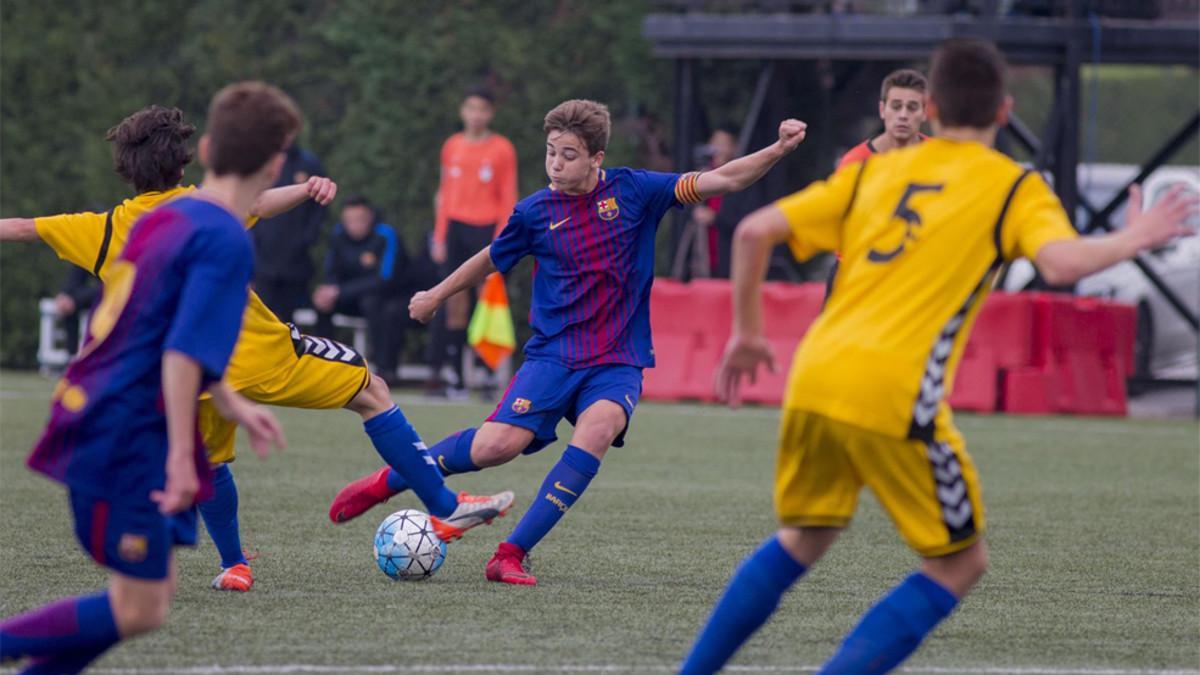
[{"x": 380, "y": 82}]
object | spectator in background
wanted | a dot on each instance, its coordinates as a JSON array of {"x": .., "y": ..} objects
[
  {"x": 722, "y": 147},
  {"x": 365, "y": 275},
  {"x": 78, "y": 294},
  {"x": 902, "y": 111},
  {"x": 283, "y": 266},
  {"x": 653, "y": 148},
  {"x": 475, "y": 197}
]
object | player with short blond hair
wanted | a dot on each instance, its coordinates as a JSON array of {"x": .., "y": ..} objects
[{"x": 591, "y": 233}]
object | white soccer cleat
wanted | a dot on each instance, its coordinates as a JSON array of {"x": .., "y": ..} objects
[{"x": 472, "y": 511}]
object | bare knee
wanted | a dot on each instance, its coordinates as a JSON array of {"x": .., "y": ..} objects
[
  {"x": 598, "y": 427},
  {"x": 496, "y": 443},
  {"x": 141, "y": 611},
  {"x": 959, "y": 572},
  {"x": 373, "y": 400},
  {"x": 807, "y": 545},
  {"x": 144, "y": 619}
]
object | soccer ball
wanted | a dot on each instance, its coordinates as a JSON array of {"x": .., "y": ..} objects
[{"x": 406, "y": 547}]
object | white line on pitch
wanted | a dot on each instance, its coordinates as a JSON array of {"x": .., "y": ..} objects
[{"x": 288, "y": 669}]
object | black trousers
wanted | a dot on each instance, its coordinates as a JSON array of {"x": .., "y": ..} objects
[
  {"x": 387, "y": 320},
  {"x": 462, "y": 242},
  {"x": 282, "y": 297}
]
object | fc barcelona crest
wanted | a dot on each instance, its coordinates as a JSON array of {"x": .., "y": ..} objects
[
  {"x": 607, "y": 208},
  {"x": 521, "y": 406},
  {"x": 132, "y": 548}
]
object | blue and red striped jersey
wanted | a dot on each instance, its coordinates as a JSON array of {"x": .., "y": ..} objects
[
  {"x": 595, "y": 264},
  {"x": 179, "y": 285}
]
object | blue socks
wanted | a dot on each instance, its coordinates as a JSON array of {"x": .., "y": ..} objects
[
  {"x": 71, "y": 632},
  {"x": 453, "y": 455},
  {"x": 886, "y": 635},
  {"x": 752, "y": 595},
  {"x": 71, "y": 662},
  {"x": 399, "y": 445},
  {"x": 221, "y": 517},
  {"x": 893, "y": 628},
  {"x": 561, "y": 489}
]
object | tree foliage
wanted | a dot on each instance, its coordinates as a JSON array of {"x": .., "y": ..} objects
[{"x": 379, "y": 81}]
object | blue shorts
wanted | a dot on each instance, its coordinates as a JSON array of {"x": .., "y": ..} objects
[
  {"x": 544, "y": 392},
  {"x": 132, "y": 538}
]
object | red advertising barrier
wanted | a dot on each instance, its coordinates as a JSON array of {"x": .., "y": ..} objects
[
  {"x": 1031, "y": 353},
  {"x": 1082, "y": 355},
  {"x": 690, "y": 324}
]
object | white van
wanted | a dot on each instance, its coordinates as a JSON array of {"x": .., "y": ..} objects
[{"x": 1166, "y": 346}]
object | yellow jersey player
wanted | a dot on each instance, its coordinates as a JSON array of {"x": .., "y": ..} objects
[
  {"x": 273, "y": 363},
  {"x": 923, "y": 231},
  {"x": 121, "y": 435}
]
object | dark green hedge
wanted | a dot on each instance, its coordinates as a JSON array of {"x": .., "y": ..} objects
[{"x": 379, "y": 83}]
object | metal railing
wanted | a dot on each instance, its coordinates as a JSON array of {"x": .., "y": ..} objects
[{"x": 1121, "y": 9}]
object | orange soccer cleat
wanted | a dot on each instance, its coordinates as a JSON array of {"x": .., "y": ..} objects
[{"x": 237, "y": 578}]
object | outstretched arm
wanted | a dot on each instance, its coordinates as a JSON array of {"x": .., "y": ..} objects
[
  {"x": 1064, "y": 262},
  {"x": 18, "y": 229},
  {"x": 282, "y": 199},
  {"x": 740, "y": 173},
  {"x": 469, "y": 275},
  {"x": 77, "y": 238}
]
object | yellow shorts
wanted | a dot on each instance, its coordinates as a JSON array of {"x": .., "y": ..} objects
[
  {"x": 930, "y": 490},
  {"x": 325, "y": 376}
]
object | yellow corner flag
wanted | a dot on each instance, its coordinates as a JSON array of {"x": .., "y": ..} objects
[{"x": 491, "y": 331}]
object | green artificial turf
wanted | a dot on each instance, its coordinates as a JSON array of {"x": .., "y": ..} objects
[{"x": 1094, "y": 528}]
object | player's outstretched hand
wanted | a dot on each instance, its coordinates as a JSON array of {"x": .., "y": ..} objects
[
  {"x": 265, "y": 431},
  {"x": 743, "y": 356},
  {"x": 1164, "y": 221},
  {"x": 259, "y": 422},
  {"x": 182, "y": 484},
  {"x": 423, "y": 306},
  {"x": 321, "y": 190},
  {"x": 791, "y": 134}
]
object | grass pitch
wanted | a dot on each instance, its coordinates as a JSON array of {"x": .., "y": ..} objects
[{"x": 1094, "y": 528}]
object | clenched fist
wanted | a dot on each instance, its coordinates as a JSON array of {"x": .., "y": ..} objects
[{"x": 791, "y": 134}]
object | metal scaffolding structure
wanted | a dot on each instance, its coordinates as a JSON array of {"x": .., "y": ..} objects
[{"x": 1060, "y": 34}]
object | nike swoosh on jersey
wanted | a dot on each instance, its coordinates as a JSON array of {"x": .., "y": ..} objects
[
  {"x": 560, "y": 486},
  {"x": 555, "y": 226}
]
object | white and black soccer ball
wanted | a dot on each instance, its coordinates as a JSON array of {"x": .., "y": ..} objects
[{"x": 406, "y": 547}]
